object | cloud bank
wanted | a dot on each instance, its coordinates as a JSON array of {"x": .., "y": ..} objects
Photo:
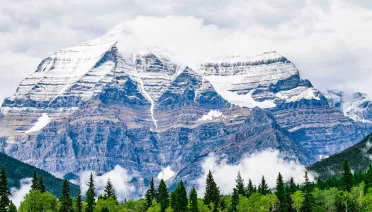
[
  {"x": 266, "y": 163},
  {"x": 120, "y": 178},
  {"x": 18, "y": 195}
]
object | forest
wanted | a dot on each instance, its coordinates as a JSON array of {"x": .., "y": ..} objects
[{"x": 350, "y": 192}]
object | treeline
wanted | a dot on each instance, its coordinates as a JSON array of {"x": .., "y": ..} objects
[{"x": 351, "y": 192}]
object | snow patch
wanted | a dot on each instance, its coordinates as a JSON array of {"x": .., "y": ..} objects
[
  {"x": 211, "y": 114},
  {"x": 246, "y": 100},
  {"x": 297, "y": 94},
  {"x": 166, "y": 173},
  {"x": 43, "y": 121}
]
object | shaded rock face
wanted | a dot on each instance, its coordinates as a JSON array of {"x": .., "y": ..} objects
[{"x": 90, "y": 108}]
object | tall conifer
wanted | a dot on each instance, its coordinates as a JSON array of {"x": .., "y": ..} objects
[
  {"x": 347, "y": 177},
  {"x": 34, "y": 182},
  {"x": 181, "y": 198},
  {"x": 280, "y": 194},
  {"x": 109, "y": 191},
  {"x": 66, "y": 202},
  {"x": 4, "y": 191},
  {"x": 212, "y": 192},
  {"x": 193, "y": 201},
  {"x": 308, "y": 204},
  {"x": 263, "y": 188},
  {"x": 41, "y": 184},
  {"x": 250, "y": 189},
  {"x": 90, "y": 195},
  {"x": 240, "y": 185},
  {"x": 79, "y": 202},
  {"x": 163, "y": 196},
  {"x": 234, "y": 201}
]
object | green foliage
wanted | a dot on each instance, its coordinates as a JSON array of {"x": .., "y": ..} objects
[
  {"x": 235, "y": 200},
  {"x": 193, "y": 201},
  {"x": 17, "y": 170},
  {"x": 263, "y": 188},
  {"x": 79, "y": 203},
  {"x": 36, "y": 201},
  {"x": 90, "y": 195},
  {"x": 180, "y": 198},
  {"x": 250, "y": 188},
  {"x": 257, "y": 202},
  {"x": 308, "y": 204},
  {"x": 347, "y": 177},
  {"x": 41, "y": 184},
  {"x": 281, "y": 195},
  {"x": 298, "y": 199},
  {"x": 163, "y": 196},
  {"x": 109, "y": 191},
  {"x": 355, "y": 155},
  {"x": 212, "y": 193},
  {"x": 240, "y": 185},
  {"x": 65, "y": 200},
  {"x": 108, "y": 204},
  {"x": 150, "y": 194},
  {"x": 12, "y": 207},
  {"x": 4, "y": 191},
  {"x": 35, "y": 182}
]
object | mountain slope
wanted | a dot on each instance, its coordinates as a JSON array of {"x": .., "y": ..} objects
[
  {"x": 359, "y": 157},
  {"x": 18, "y": 170}
]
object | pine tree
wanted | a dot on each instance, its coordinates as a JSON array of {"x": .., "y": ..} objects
[
  {"x": 173, "y": 198},
  {"x": 181, "y": 198},
  {"x": 90, "y": 195},
  {"x": 240, "y": 185},
  {"x": 292, "y": 186},
  {"x": 109, "y": 191},
  {"x": 163, "y": 196},
  {"x": 35, "y": 182},
  {"x": 250, "y": 189},
  {"x": 234, "y": 201},
  {"x": 193, "y": 201},
  {"x": 150, "y": 194},
  {"x": 281, "y": 195},
  {"x": 105, "y": 209},
  {"x": 41, "y": 184},
  {"x": 66, "y": 202},
  {"x": 263, "y": 188},
  {"x": 308, "y": 204},
  {"x": 79, "y": 202},
  {"x": 4, "y": 191},
  {"x": 368, "y": 178},
  {"x": 347, "y": 177},
  {"x": 12, "y": 207},
  {"x": 212, "y": 192}
]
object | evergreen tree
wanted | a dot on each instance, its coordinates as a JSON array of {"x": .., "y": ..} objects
[
  {"x": 292, "y": 186},
  {"x": 90, "y": 195},
  {"x": 250, "y": 188},
  {"x": 150, "y": 194},
  {"x": 347, "y": 177},
  {"x": 4, "y": 191},
  {"x": 79, "y": 202},
  {"x": 193, "y": 201},
  {"x": 234, "y": 201},
  {"x": 263, "y": 188},
  {"x": 163, "y": 196},
  {"x": 181, "y": 198},
  {"x": 105, "y": 209},
  {"x": 35, "y": 182},
  {"x": 240, "y": 185},
  {"x": 41, "y": 184},
  {"x": 173, "y": 198},
  {"x": 12, "y": 207},
  {"x": 66, "y": 202},
  {"x": 368, "y": 178},
  {"x": 281, "y": 194},
  {"x": 308, "y": 203},
  {"x": 109, "y": 191},
  {"x": 212, "y": 192}
]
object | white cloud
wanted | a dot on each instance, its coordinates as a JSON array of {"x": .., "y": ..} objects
[
  {"x": 18, "y": 195},
  {"x": 120, "y": 178},
  {"x": 266, "y": 163},
  {"x": 166, "y": 173}
]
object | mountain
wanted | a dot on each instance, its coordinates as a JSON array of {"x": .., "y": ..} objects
[
  {"x": 18, "y": 170},
  {"x": 356, "y": 106},
  {"x": 93, "y": 106},
  {"x": 359, "y": 157}
]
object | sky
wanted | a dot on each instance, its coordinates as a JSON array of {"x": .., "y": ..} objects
[{"x": 329, "y": 41}]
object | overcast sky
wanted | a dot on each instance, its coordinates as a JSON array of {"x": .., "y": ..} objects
[{"x": 329, "y": 41}]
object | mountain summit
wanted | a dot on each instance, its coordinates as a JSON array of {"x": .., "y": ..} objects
[{"x": 92, "y": 107}]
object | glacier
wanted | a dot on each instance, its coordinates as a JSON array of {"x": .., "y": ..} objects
[{"x": 92, "y": 107}]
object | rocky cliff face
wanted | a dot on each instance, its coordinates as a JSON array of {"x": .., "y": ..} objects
[{"x": 90, "y": 108}]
